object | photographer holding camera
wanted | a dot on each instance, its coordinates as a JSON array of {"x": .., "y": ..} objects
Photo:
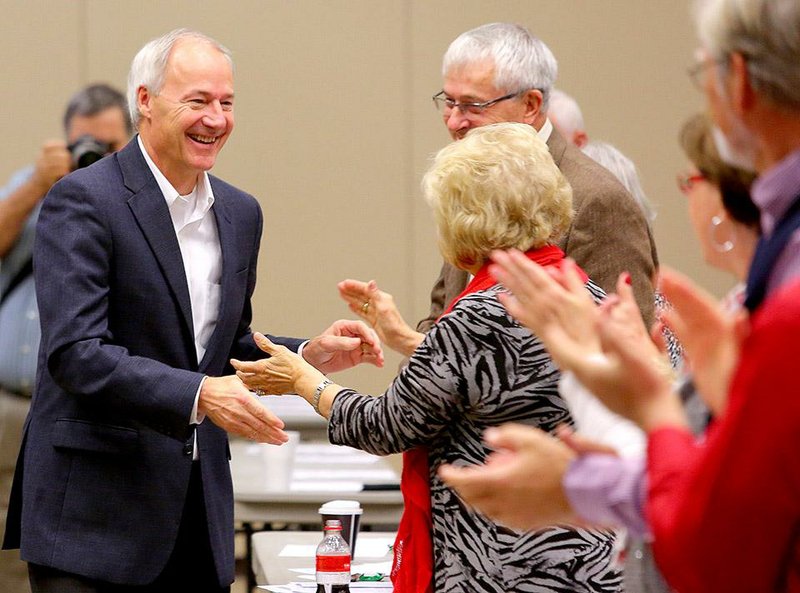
[{"x": 96, "y": 123}]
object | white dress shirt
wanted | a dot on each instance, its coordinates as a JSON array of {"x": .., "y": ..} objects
[
  {"x": 545, "y": 131},
  {"x": 196, "y": 229}
]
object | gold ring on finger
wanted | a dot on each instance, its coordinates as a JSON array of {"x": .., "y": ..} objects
[{"x": 365, "y": 307}]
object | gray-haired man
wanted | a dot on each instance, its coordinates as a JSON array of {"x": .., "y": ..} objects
[{"x": 500, "y": 72}]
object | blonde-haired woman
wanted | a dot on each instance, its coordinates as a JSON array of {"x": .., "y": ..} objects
[{"x": 495, "y": 189}]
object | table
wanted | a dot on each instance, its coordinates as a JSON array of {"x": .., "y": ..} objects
[
  {"x": 270, "y": 568},
  {"x": 320, "y": 472}
]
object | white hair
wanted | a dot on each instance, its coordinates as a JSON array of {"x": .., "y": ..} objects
[
  {"x": 766, "y": 33},
  {"x": 623, "y": 169},
  {"x": 150, "y": 64},
  {"x": 566, "y": 111},
  {"x": 521, "y": 61}
]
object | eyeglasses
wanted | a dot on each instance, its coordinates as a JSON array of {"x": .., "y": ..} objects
[
  {"x": 686, "y": 181},
  {"x": 446, "y": 105},
  {"x": 697, "y": 72}
]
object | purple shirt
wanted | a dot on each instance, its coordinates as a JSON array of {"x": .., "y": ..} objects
[
  {"x": 605, "y": 489},
  {"x": 773, "y": 192},
  {"x": 619, "y": 482}
]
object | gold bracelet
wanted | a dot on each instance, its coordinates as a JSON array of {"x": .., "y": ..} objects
[{"x": 318, "y": 393}]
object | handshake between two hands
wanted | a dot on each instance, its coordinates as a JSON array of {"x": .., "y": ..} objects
[{"x": 228, "y": 401}]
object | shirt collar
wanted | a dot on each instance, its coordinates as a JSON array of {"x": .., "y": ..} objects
[
  {"x": 202, "y": 191},
  {"x": 546, "y": 130},
  {"x": 774, "y": 191}
]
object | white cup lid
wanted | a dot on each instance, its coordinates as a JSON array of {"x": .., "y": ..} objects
[{"x": 341, "y": 507}]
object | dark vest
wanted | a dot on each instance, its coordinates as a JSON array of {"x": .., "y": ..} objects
[{"x": 767, "y": 253}]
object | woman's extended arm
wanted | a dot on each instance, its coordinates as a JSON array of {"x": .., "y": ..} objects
[{"x": 416, "y": 406}]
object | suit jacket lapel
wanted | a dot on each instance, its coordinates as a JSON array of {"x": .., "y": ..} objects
[
  {"x": 226, "y": 243},
  {"x": 557, "y": 145},
  {"x": 150, "y": 210}
]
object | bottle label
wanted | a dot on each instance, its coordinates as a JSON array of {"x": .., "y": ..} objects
[
  {"x": 338, "y": 563},
  {"x": 333, "y": 578}
]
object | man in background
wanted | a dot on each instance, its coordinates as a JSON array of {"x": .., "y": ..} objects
[
  {"x": 565, "y": 114},
  {"x": 501, "y": 73},
  {"x": 97, "y": 115}
]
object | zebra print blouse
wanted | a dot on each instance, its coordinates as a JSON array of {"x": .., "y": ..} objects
[{"x": 478, "y": 368}]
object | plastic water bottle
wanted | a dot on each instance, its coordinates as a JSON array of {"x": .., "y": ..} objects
[{"x": 333, "y": 560}]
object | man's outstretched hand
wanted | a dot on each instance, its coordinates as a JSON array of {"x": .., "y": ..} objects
[
  {"x": 226, "y": 402},
  {"x": 343, "y": 345}
]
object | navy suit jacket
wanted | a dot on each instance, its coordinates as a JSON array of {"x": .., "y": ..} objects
[{"x": 107, "y": 450}]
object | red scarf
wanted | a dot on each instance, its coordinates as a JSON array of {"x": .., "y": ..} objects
[{"x": 412, "y": 568}]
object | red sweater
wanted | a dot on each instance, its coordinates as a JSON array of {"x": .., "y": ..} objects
[{"x": 725, "y": 513}]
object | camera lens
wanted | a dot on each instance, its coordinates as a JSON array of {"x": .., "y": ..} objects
[{"x": 87, "y": 150}]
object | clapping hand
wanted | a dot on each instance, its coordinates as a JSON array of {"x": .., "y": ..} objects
[
  {"x": 549, "y": 301},
  {"x": 379, "y": 310},
  {"x": 607, "y": 347},
  {"x": 711, "y": 338}
]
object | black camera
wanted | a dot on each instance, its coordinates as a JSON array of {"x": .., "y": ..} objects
[{"x": 87, "y": 150}]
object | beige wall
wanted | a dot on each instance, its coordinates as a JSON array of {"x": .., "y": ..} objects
[{"x": 335, "y": 123}]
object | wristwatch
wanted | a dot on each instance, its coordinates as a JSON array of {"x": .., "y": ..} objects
[{"x": 318, "y": 393}]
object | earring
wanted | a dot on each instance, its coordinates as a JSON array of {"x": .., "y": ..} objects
[{"x": 724, "y": 246}]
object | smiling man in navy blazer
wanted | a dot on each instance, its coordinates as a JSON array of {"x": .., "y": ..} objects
[{"x": 145, "y": 266}]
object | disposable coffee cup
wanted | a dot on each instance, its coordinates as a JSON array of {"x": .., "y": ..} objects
[{"x": 349, "y": 513}]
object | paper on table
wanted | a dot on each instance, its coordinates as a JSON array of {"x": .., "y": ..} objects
[
  {"x": 308, "y": 573},
  {"x": 299, "y": 551},
  {"x": 289, "y": 588},
  {"x": 373, "y": 548}
]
